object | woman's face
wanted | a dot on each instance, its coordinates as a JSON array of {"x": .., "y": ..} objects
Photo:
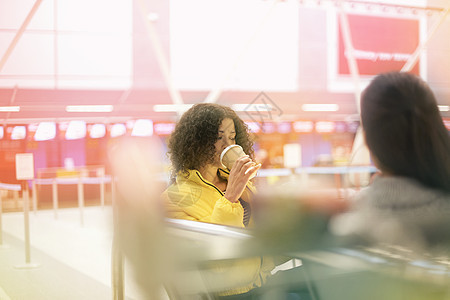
[{"x": 227, "y": 137}]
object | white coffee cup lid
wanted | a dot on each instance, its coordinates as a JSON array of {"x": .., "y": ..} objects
[{"x": 225, "y": 151}]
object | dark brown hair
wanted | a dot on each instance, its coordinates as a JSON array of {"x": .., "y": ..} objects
[
  {"x": 191, "y": 145},
  {"x": 404, "y": 129}
]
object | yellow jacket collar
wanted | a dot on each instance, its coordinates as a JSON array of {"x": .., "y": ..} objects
[{"x": 195, "y": 176}]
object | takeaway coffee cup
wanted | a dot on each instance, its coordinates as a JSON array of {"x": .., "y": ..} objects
[{"x": 229, "y": 156}]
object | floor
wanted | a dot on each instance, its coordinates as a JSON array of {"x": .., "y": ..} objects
[{"x": 72, "y": 249}]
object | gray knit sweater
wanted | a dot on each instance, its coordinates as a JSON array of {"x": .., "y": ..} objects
[{"x": 400, "y": 210}]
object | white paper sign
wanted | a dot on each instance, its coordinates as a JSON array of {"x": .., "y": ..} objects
[
  {"x": 292, "y": 155},
  {"x": 24, "y": 166}
]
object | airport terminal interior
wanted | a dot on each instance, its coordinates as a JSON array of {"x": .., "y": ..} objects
[{"x": 98, "y": 99}]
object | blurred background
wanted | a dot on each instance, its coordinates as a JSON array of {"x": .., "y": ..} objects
[
  {"x": 78, "y": 76},
  {"x": 142, "y": 61}
]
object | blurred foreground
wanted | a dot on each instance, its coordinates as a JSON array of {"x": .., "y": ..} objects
[
  {"x": 130, "y": 250},
  {"x": 194, "y": 260}
]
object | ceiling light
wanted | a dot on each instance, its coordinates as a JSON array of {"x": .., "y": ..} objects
[
  {"x": 45, "y": 131},
  {"x": 325, "y": 126},
  {"x": 320, "y": 107},
  {"x": 303, "y": 126},
  {"x": 164, "y": 128},
  {"x": 142, "y": 127},
  {"x": 152, "y": 16},
  {"x": 118, "y": 130},
  {"x": 18, "y": 133},
  {"x": 89, "y": 108},
  {"x": 97, "y": 131},
  {"x": 76, "y": 130},
  {"x": 254, "y": 127},
  {"x": 444, "y": 107},
  {"x": 10, "y": 108}
]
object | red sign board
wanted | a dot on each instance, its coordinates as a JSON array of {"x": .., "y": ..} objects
[{"x": 381, "y": 44}]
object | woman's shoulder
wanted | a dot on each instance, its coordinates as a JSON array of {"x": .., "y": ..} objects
[
  {"x": 402, "y": 194},
  {"x": 401, "y": 211}
]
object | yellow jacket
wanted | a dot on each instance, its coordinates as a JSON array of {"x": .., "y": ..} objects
[{"x": 192, "y": 197}]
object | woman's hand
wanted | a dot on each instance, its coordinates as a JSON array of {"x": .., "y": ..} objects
[{"x": 240, "y": 174}]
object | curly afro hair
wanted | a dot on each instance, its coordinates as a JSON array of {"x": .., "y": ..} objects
[{"x": 191, "y": 145}]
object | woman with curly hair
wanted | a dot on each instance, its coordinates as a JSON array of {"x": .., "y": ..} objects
[{"x": 202, "y": 190}]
